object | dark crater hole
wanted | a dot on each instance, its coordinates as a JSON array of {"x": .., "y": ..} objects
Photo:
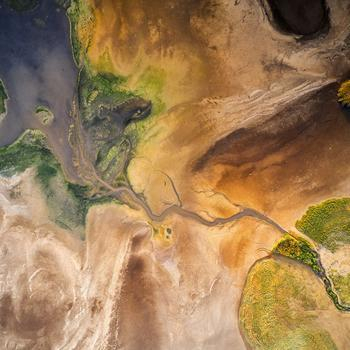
[{"x": 301, "y": 17}]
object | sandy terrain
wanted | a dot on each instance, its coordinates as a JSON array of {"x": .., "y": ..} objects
[
  {"x": 250, "y": 118},
  {"x": 131, "y": 284}
]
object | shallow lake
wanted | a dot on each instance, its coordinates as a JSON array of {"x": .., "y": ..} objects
[{"x": 37, "y": 68}]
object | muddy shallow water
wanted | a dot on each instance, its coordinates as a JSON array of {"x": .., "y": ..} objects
[{"x": 37, "y": 68}]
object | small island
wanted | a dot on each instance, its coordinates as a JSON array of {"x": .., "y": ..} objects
[{"x": 44, "y": 115}]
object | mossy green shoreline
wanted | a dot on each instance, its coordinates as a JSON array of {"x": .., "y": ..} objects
[
  {"x": 299, "y": 249},
  {"x": 68, "y": 202}
]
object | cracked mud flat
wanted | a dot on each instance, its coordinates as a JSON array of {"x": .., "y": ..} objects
[{"x": 233, "y": 129}]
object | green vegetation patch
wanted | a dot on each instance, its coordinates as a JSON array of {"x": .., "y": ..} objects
[
  {"x": 22, "y": 5},
  {"x": 3, "y": 98},
  {"x": 300, "y": 250},
  {"x": 111, "y": 161},
  {"x": 105, "y": 107},
  {"x": 81, "y": 21},
  {"x": 341, "y": 284},
  {"x": 104, "y": 63},
  {"x": 97, "y": 89},
  {"x": 68, "y": 203},
  {"x": 150, "y": 85},
  {"x": 327, "y": 223},
  {"x": 278, "y": 308},
  {"x": 108, "y": 107},
  {"x": 29, "y": 150},
  {"x": 111, "y": 155}
]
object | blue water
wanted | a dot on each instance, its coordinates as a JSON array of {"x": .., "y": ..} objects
[{"x": 37, "y": 68}]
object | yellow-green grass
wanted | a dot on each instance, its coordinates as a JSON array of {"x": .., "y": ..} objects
[
  {"x": 100, "y": 80},
  {"x": 298, "y": 249},
  {"x": 150, "y": 86},
  {"x": 327, "y": 223},
  {"x": 344, "y": 93},
  {"x": 279, "y": 307},
  {"x": 81, "y": 21}
]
